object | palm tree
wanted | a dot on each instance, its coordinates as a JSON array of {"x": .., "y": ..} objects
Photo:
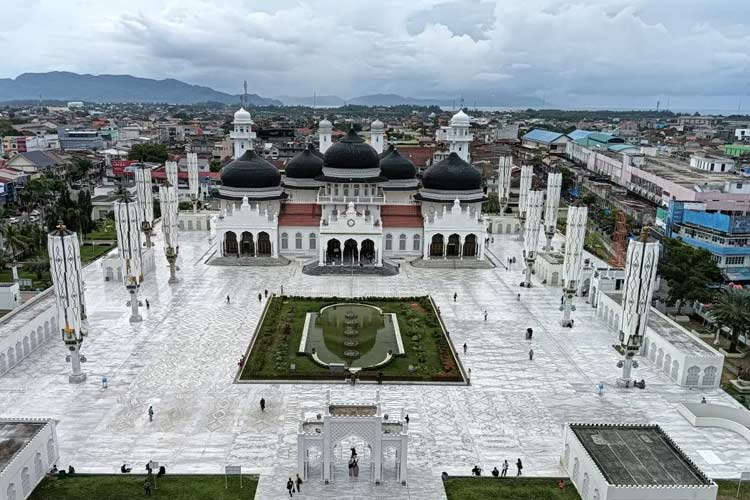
[
  {"x": 733, "y": 311},
  {"x": 39, "y": 266},
  {"x": 15, "y": 245}
]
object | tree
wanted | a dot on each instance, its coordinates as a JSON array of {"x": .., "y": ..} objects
[
  {"x": 733, "y": 311},
  {"x": 15, "y": 245},
  {"x": 492, "y": 205},
  {"x": 689, "y": 271},
  {"x": 39, "y": 265},
  {"x": 156, "y": 153},
  {"x": 215, "y": 165},
  {"x": 79, "y": 168}
]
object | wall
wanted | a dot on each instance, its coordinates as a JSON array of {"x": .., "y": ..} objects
[
  {"x": 30, "y": 464},
  {"x": 26, "y": 328}
]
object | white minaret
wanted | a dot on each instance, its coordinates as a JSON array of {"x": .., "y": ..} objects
[
  {"x": 65, "y": 267},
  {"x": 127, "y": 224},
  {"x": 640, "y": 277},
  {"x": 551, "y": 207},
  {"x": 325, "y": 131},
  {"x": 172, "y": 174},
  {"x": 242, "y": 135},
  {"x": 458, "y": 135},
  {"x": 504, "y": 173},
  {"x": 575, "y": 235},
  {"x": 193, "y": 183},
  {"x": 377, "y": 136},
  {"x": 145, "y": 199},
  {"x": 169, "y": 226},
  {"x": 534, "y": 203},
  {"x": 527, "y": 172}
]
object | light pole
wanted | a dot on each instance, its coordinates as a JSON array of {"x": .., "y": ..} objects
[
  {"x": 505, "y": 167},
  {"x": 575, "y": 234},
  {"x": 534, "y": 204},
  {"x": 527, "y": 172},
  {"x": 193, "y": 184},
  {"x": 169, "y": 226},
  {"x": 65, "y": 267},
  {"x": 551, "y": 208},
  {"x": 145, "y": 200},
  {"x": 128, "y": 226}
]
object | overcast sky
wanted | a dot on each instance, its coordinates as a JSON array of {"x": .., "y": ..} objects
[{"x": 624, "y": 51}]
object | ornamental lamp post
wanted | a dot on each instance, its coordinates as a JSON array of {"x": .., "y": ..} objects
[
  {"x": 169, "y": 226},
  {"x": 65, "y": 267},
  {"x": 193, "y": 183},
  {"x": 575, "y": 235},
  {"x": 128, "y": 226},
  {"x": 505, "y": 167},
  {"x": 534, "y": 205},
  {"x": 552, "y": 207},
  {"x": 527, "y": 172},
  {"x": 145, "y": 200}
]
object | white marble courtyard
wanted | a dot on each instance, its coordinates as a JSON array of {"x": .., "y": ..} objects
[{"x": 183, "y": 357}]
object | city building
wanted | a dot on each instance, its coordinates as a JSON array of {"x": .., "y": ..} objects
[
  {"x": 72, "y": 139},
  {"x": 547, "y": 140},
  {"x": 36, "y": 162},
  {"x": 742, "y": 134}
]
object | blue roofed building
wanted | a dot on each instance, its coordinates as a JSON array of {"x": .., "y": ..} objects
[
  {"x": 548, "y": 140},
  {"x": 579, "y": 134},
  {"x": 603, "y": 141}
]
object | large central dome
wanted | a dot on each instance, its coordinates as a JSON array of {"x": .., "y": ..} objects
[
  {"x": 452, "y": 174},
  {"x": 250, "y": 171},
  {"x": 351, "y": 153}
]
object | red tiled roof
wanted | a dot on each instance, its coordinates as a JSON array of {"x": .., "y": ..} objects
[
  {"x": 401, "y": 216},
  {"x": 420, "y": 156},
  {"x": 300, "y": 214}
]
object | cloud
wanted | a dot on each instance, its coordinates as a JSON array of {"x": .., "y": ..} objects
[{"x": 554, "y": 48}]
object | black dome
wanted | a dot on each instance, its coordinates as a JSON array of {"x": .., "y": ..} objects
[
  {"x": 452, "y": 174},
  {"x": 250, "y": 171},
  {"x": 306, "y": 165},
  {"x": 394, "y": 166},
  {"x": 351, "y": 152}
]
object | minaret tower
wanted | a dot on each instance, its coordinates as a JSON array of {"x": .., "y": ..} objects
[
  {"x": 640, "y": 277},
  {"x": 552, "y": 207},
  {"x": 535, "y": 204},
  {"x": 325, "y": 131},
  {"x": 242, "y": 136},
  {"x": 458, "y": 135},
  {"x": 377, "y": 136},
  {"x": 575, "y": 234}
]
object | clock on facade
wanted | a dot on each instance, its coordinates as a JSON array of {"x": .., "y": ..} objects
[{"x": 350, "y": 223}]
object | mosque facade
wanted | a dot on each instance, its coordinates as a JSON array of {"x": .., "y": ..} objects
[{"x": 351, "y": 202}]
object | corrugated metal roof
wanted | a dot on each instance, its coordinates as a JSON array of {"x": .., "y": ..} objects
[
  {"x": 541, "y": 135},
  {"x": 579, "y": 134}
]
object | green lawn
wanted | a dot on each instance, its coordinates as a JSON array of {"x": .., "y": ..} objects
[
  {"x": 130, "y": 487},
  {"x": 426, "y": 347},
  {"x": 88, "y": 254},
  {"x": 728, "y": 490},
  {"x": 490, "y": 488},
  {"x": 105, "y": 230}
]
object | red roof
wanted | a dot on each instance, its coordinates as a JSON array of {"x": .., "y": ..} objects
[
  {"x": 401, "y": 216},
  {"x": 300, "y": 214},
  {"x": 420, "y": 156}
]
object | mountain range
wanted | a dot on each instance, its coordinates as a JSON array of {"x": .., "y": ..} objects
[{"x": 66, "y": 86}]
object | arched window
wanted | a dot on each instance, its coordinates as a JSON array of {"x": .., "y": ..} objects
[
  {"x": 417, "y": 242},
  {"x": 675, "y": 369},
  {"x": 11, "y": 492},
  {"x": 313, "y": 241},
  {"x": 38, "y": 465},
  {"x": 667, "y": 363},
  {"x": 402, "y": 242},
  {"x": 298, "y": 241},
  {"x": 25, "y": 482},
  {"x": 693, "y": 375},
  {"x": 389, "y": 242},
  {"x": 585, "y": 487},
  {"x": 576, "y": 467},
  {"x": 709, "y": 375},
  {"x": 284, "y": 241}
]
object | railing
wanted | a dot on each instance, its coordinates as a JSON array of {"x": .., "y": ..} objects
[{"x": 322, "y": 198}]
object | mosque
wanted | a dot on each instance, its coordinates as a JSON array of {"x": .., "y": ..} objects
[{"x": 351, "y": 203}]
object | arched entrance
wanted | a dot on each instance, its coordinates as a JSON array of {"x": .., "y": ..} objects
[
  {"x": 436, "y": 246},
  {"x": 351, "y": 253},
  {"x": 264, "y": 244},
  {"x": 333, "y": 251},
  {"x": 230, "y": 243},
  {"x": 368, "y": 252},
  {"x": 454, "y": 246},
  {"x": 470, "y": 246},
  {"x": 247, "y": 245}
]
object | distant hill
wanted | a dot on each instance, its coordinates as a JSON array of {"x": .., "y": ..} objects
[
  {"x": 321, "y": 100},
  {"x": 505, "y": 100},
  {"x": 67, "y": 86}
]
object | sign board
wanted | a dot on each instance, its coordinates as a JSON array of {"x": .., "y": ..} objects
[{"x": 118, "y": 166}]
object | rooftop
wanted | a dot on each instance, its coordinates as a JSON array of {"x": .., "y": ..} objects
[
  {"x": 680, "y": 172},
  {"x": 638, "y": 455},
  {"x": 14, "y": 436},
  {"x": 541, "y": 135}
]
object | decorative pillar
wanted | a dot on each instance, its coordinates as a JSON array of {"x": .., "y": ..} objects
[
  {"x": 169, "y": 226},
  {"x": 127, "y": 224},
  {"x": 327, "y": 446},
  {"x": 65, "y": 268},
  {"x": 145, "y": 198},
  {"x": 505, "y": 167},
  {"x": 640, "y": 277},
  {"x": 551, "y": 208},
  {"x": 404, "y": 453},
  {"x": 377, "y": 449},
  {"x": 193, "y": 183},
  {"x": 534, "y": 206},
  {"x": 172, "y": 176},
  {"x": 575, "y": 235},
  {"x": 527, "y": 172}
]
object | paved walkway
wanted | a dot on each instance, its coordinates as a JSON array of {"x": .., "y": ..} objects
[{"x": 183, "y": 357}]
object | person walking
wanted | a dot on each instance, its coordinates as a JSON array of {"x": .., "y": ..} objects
[
  {"x": 519, "y": 466},
  {"x": 465, "y": 347},
  {"x": 518, "y": 297},
  {"x": 485, "y": 314},
  {"x": 260, "y": 297},
  {"x": 290, "y": 486},
  {"x": 262, "y": 404},
  {"x": 531, "y": 354},
  {"x": 227, "y": 299},
  {"x": 407, "y": 419},
  {"x": 147, "y": 488},
  {"x": 298, "y": 482},
  {"x": 150, "y": 413},
  {"x": 455, "y": 296},
  {"x": 504, "y": 472},
  {"x": 148, "y": 304},
  {"x": 266, "y": 292}
]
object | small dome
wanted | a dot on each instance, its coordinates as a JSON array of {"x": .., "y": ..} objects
[
  {"x": 242, "y": 116},
  {"x": 305, "y": 165},
  {"x": 394, "y": 166},
  {"x": 452, "y": 174},
  {"x": 351, "y": 152},
  {"x": 460, "y": 119},
  {"x": 250, "y": 171},
  {"x": 325, "y": 124},
  {"x": 377, "y": 125}
]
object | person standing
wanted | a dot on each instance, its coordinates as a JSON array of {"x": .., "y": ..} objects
[
  {"x": 466, "y": 347},
  {"x": 148, "y": 304},
  {"x": 407, "y": 419},
  {"x": 290, "y": 486},
  {"x": 455, "y": 296},
  {"x": 227, "y": 299},
  {"x": 519, "y": 466},
  {"x": 504, "y": 472},
  {"x": 485, "y": 314},
  {"x": 260, "y": 297},
  {"x": 298, "y": 482},
  {"x": 531, "y": 354},
  {"x": 262, "y": 404},
  {"x": 266, "y": 292},
  {"x": 150, "y": 413},
  {"x": 147, "y": 488},
  {"x": 518, "y": 297}
]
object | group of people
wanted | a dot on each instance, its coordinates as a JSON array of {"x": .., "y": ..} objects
[
  {"x": 61, "y": 473},
  {"x": 294, "y": 486},
  {"x": 354, "y": 463},
  {"x": 477, "y": 471}
]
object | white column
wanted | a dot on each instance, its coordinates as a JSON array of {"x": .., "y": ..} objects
[
  {"x": 403, "y": 456},
  {"x": 531, "y": 234},
  {"x": 377, "y": 451},
  {"x": 326, "y": 448},
  {"x": 575, "y": 234},
  {"x": 301, "y": 469}
]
